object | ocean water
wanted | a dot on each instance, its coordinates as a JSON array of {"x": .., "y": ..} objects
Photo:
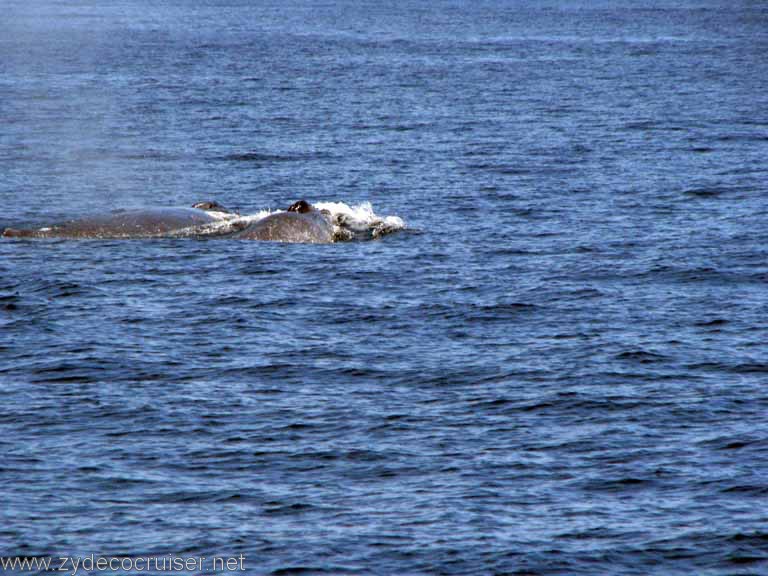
[{"x": 558, "y": 367}]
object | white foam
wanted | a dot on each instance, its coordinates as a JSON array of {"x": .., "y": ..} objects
[
  {"x": 352, "y": 222},
  {"x": 251, "y": 218},
  {"x": 222, "y": 215},
  {"x": 226, "y": 223}
]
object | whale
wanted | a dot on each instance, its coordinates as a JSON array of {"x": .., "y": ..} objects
[
  {"x": 300, "y": 223},
  {"x": 139, "y": 223}
]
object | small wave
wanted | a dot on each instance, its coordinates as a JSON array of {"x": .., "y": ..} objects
[
  {"x": 265, "y": 157},
  {"x": 259, "y": 157},
  {"x": 744, "y": 368},
  {"x": 707, "y": 192},
  {"x": 641, "y": 356},
  {"x": 743, "y": 138},
  {"x": 714, "y": 322}
]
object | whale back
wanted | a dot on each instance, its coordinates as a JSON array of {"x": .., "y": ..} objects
[
  {"x": 308, "y": 226},
  {"x": 121, "y": 224}
]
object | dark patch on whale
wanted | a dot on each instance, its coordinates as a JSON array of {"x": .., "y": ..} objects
[{"x": 302, "y": 207}]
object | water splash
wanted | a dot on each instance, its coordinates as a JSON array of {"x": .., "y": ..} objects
[{"x": 359, "y": 222}]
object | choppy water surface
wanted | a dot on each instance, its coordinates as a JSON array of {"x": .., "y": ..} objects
[{"x": 558, "y": 367}]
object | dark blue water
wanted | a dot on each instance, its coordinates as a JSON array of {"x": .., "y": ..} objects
[{"x": 559, "y": 367}]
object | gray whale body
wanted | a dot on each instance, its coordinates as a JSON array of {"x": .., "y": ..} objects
[
  {"x": 142, "y": 223},
  {"x": 300, "y": 223}
]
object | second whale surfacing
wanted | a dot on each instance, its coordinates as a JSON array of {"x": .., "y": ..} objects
[{"x": 301, "y": 223}]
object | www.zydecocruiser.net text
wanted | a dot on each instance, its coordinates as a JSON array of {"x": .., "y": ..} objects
[{"x": 78, "y": 565}]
